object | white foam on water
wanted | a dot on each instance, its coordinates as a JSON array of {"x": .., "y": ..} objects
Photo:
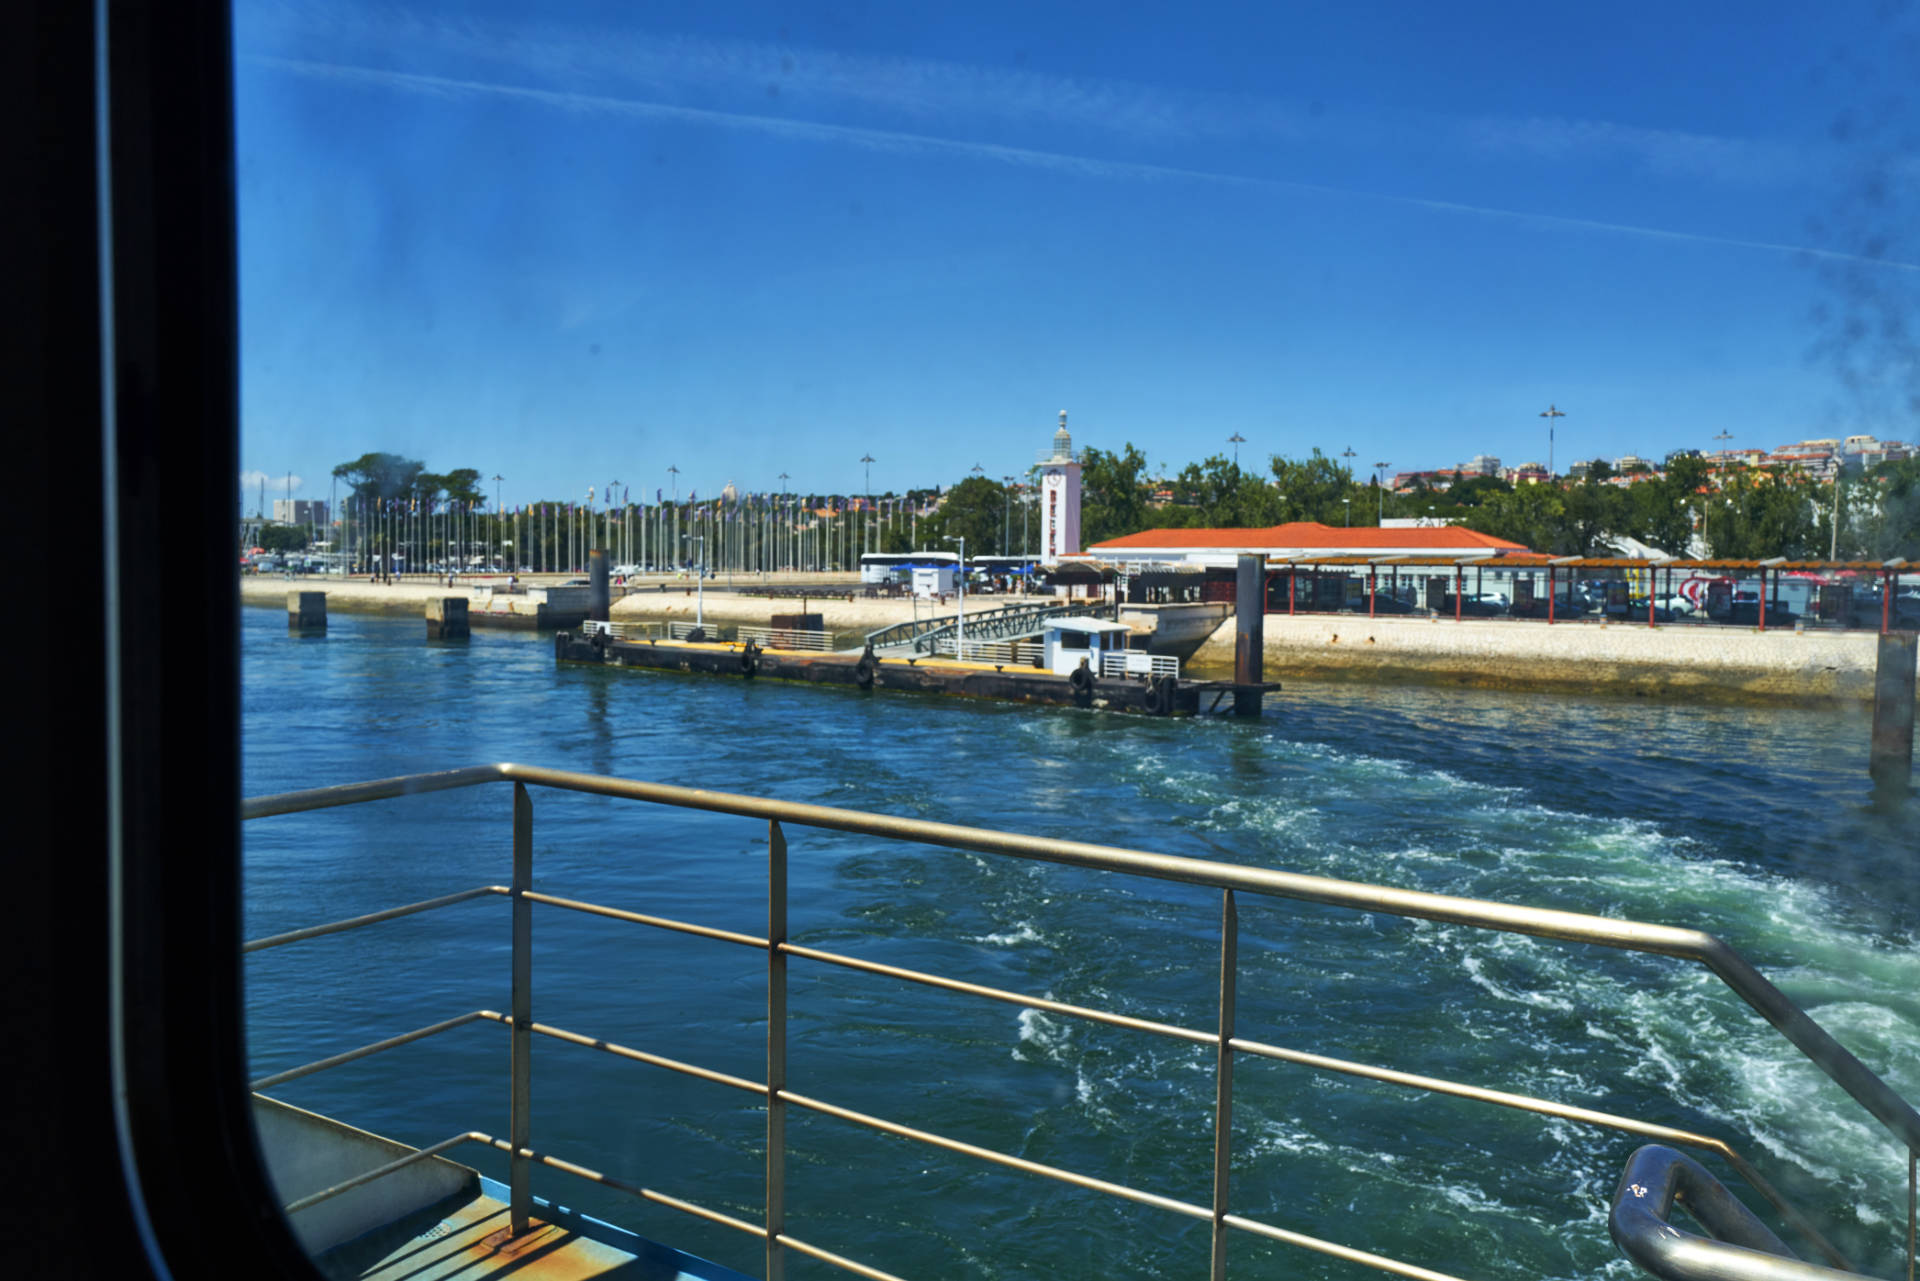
[{"x": 1023, "y": 932}]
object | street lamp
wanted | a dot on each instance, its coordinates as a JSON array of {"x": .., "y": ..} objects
[
  {"x": 1348, "y": 504},
  {"x": 499, "y": 533},
  {"x": 700, "y": 581},
  {"x": 1006, "y": 514},
  {"x": 1380, "y": 483},
  {"x": 960, "y": 620},
  {"x": 866, "y": 521},
  {"x": 1550, "y": 413},
  {"x": 1236, "y": 440}
]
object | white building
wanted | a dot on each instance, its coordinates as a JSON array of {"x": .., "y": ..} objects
[
  {"x": 299, "y": 511},
  {"x": 1059, "y": 498}
]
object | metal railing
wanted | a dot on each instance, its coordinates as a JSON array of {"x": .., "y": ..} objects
[
  {"x": 998, "y": 623},
  {"x": 1135, "y": 662},
  {"x": 1859, "y": 1082},
  {"x": 1739, "y": 1247},
  {"x": 1006, "y": 653},
  {"x": 784, "y": 638}
]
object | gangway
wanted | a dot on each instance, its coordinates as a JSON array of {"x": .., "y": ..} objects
[{"x": 1007, "y": 622}]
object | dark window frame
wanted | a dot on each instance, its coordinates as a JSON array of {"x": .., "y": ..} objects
[{"x": 138, "y": 1156}]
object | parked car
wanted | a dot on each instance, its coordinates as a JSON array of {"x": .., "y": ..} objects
[
  {"x": 1474, "y": 606},
  {"x": 1563, "y": 607}
]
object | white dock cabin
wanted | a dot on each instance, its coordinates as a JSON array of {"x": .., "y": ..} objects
[
  {"x": 932, "y": 580},
  {"x": 1068, "y": 640}
]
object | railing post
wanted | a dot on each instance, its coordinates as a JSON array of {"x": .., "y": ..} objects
[
  {"x": 776, "y": 1050},
  {"x": 1223, "y": 1080},
  {"x": 519, "y": 1122}
]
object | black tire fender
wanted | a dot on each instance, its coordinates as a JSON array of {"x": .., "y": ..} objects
[
  {"x": 749, "y": 660},
  {"x": 1160, "y": 697}
]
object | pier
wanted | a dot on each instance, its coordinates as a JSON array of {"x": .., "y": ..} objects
[{"x": 1153, "y": 695}]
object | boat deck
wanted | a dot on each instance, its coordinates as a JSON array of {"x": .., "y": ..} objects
[{"x": 466, "y": 1237}]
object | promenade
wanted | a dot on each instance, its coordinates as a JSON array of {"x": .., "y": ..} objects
[
  {"x": 1677, "y": 661},
  {"x": 646, "y": 600}
]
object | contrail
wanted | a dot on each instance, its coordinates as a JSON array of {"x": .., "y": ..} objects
[{"x": 898, "y": 142}]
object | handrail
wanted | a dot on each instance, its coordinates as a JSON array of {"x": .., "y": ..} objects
[
  {"x": 1740, "y": 1249},
  {"x": 1691, "y": 945}
]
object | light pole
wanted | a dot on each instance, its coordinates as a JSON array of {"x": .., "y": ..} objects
[
  {"x": 960, "y": 619},
  {"x": 499, "y": 532},
  {"x": 1006, "y": 515},
  {"x": 867, "y": 516},
  {"x": 1380, "y": 483},
  {"x": 1236, "y": 440},
  {"x": 1550, "y": 413},
  {"x": 1348, "y": 504},
  {"x": 700, "y": 581},
  {"x": 783, "y": 509}
]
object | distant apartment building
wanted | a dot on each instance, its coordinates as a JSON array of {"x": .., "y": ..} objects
[
  {"x": 1528, "y": 474},
  {"x": 299, "y": 511},
  {"x": 1482, "y": 465},
  {"x": 1628, "y": 463},
  {"x": 1860, "y": 452}
]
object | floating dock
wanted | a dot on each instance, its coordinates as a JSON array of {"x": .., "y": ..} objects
[{"x": 1158, "y": 696}]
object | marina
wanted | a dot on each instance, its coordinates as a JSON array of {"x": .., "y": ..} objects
[{"x": 1746, "y": 822}]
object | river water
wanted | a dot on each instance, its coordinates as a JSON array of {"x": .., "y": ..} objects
[{"x": 1752, "y": 823}]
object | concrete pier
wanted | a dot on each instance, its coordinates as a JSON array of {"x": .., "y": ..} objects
[
  {"x": 599, "y": 586},
  {"x": 1890, "y": 760},
  {"x": 447, "y": 618},
  {"x": 1249, "y": 634},
  {"x": 1679, "y": 662},
  {"x": 307, "y": 613}
]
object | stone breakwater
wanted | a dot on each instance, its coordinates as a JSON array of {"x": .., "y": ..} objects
[
  {"x": 1681, "y": 661},
  {"x": 648, "y": 603}
]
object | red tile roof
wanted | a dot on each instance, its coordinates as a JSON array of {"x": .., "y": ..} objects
[{"x": 1312, "y": 536}]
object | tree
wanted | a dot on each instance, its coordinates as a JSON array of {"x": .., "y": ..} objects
[
  {"x": 1113, "y": 494},
  {"x": 381, "y": 476},
  {"x": 1531, "y": 515},
  {"x": 976, "y": 509},
  {"x": 283, "y": 538},
  {"x": 1759, "y": 514},
  {"x": 1221, "y": 496},
  {"x": 1880, "y": 515},
  {"x": 1312, "y": 488},
  {"x": 1661, "y": 512}
]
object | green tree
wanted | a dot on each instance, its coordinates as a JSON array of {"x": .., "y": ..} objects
[
  {"x": 1531, "y": 515},
  {"x": 1662, "y": 512},
  {"x": 379, "y": 475},
  {"x": 1313, "y": 488},
  {"x": 1758, "y": 514},
  {"x": 283, "y": 538},
  {"x": 1590, "y": 511},
  {"x": 974, "y": 509},
  {"x": 1880, "y": 515},
  {"x": 1113, "y": 494},
  {"x": 1221, "y": 496}
]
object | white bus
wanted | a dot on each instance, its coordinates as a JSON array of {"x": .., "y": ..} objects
[{"x": 890, "y": 567}]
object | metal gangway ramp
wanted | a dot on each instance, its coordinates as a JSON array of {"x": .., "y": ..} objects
[{"x": 1007, "y": 622}]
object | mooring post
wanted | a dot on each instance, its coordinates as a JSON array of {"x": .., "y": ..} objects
[
  {"x": 1249, "y": 635},
  {"x": 447, "y": 618},
  {"x": 307, "y": 613},
  {"x": 599, "y": 587},
  {"x": 1890, "y": 761}
]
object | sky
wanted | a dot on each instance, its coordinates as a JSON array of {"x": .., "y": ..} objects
[{"x": 569, "y": 244}]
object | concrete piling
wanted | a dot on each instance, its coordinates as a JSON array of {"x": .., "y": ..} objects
[
  {"x": 599, "y": 587},
  {"x": 307, "y": 613},
  {"x": 1890, "y": 761},
  {"x": 447, "y": 618},
  {"x": 1249, "y": 635}
]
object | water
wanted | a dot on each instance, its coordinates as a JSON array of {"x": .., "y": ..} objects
[{"x": 1750, "y": 823}]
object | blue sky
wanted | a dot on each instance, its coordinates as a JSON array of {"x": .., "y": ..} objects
[{"x": 574, "y": 243}]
